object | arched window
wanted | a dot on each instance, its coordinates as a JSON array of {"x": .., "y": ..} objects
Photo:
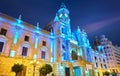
[
  {"x": 3, "y": 42},
  {"x": 74, "y": 55},
  {"x": 43, "y": 53},
  {"x": 25, "y": 49}
]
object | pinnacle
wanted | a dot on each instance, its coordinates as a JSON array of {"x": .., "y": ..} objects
[{"x": 63, "y": 5}]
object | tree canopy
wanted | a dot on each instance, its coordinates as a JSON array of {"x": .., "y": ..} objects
[
  {"x": 17, "y": 68},
  {"x": 106, "y": 73},
  {"x": 46, "y": 69}
]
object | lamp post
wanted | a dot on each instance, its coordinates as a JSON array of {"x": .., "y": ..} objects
[{"x": 34, "y": 63}]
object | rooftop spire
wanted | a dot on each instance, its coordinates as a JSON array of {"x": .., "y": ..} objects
[
  {"x": 63, "y": 5},
  {"x": 96, "y": 42},
  {"x": 78, "y": 29},
  {"x": 56, "y": 17},
  {"x": 37, "y": 24},
  {"x": 20, "y": 17}
]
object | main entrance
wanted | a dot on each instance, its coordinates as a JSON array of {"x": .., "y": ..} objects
[
  {"x": 77, "y": 71},
  {"x": 67, "y": 71}
]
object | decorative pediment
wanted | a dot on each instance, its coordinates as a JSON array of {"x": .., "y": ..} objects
[
  {"x": 44, "y": 48},
  {"x": 26, "y": 44},
  {"x": 3, "y": 38}
]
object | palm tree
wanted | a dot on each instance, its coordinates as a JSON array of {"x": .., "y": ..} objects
[
  {"x": 17, "y": 68},
  {"x": 46, "y": 69}
]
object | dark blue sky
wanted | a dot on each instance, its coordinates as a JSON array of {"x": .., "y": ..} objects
[{"x": 97, "y": 17}]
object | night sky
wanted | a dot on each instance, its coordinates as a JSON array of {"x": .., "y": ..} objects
[{"x": 97, "y": 17}]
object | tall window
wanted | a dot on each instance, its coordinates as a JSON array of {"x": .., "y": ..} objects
[
  {"x": 101, "y": 66},
  {"x": 3, "y": 31},
  {"x": 105, "y": 66},
  {"x": 1, "y": 46},
  {"x": 64, "y": 31},
  {"x": 101, "y": 50},
  {"x": 24, "y": 51},
  {"x": 26, "y": 38},
  {"x": 64, "y": 52},
  {"x": 44, "y": 43},
  {"x": 96, "y": 65},
  {"x": 104, "y": 60},
  {"x": 67, "y": 71},
  {"x": 43, "y": 55},
  {"x": 74, "y": 55},
  {"x": 95, "y": 58}
]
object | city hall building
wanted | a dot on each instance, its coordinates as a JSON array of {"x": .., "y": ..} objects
[{"x": 67, "y": 52}]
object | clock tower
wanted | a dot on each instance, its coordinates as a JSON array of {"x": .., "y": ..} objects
[{"x": 62, "y": 31}]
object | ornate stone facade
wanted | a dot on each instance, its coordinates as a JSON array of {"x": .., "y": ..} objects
[{"x": 68, "y": 52}]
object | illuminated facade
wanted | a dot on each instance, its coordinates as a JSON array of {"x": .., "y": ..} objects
[
  {"x": 68, "y": 52},
  {"x": 112, "y": 53},
  {"x": 99, "y": 58}
]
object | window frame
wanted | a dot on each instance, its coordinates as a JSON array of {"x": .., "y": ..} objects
[
  {"x": 24, "y": 49},
  {"x": 26, "y": 38},
  {"x": 3, "y": 31}
]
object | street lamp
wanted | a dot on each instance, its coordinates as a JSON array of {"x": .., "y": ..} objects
[{"x": 34, "y": 63}]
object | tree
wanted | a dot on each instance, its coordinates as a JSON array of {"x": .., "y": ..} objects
[
  {"x": 114, "y": 73},
  {"x": 17, "y": 68},
  {"x": 106, "y": 73},
  {"x": 46, "y": 69}
]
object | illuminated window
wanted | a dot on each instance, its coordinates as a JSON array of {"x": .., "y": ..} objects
[
  {"x": 43, "y": 55},
  {"x": 60, "y": 15},
  {"x": 1, "y": 46},
  {"x": 3, "y": 31},
  {"x": 12, "y": 53},
  {"x": 26, "y": 38},
  {"x": 24, "y": 51},
  {"x": 44, "y": 43},
  {"x": 66, "y": 15},
  {"x": 35, "y": 56}
]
